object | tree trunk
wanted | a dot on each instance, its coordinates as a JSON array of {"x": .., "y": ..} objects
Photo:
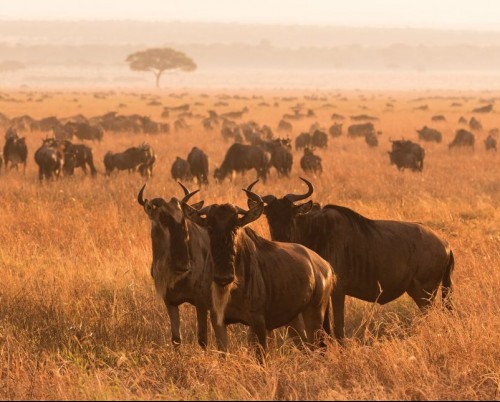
[{"x": 158, "y": 75}]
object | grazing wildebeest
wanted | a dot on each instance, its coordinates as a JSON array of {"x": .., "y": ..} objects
[
  {"x": 302, "y": 141},
  {"x": 407, "y": 154},
  {"x": 15, "y": 150},
  {"x": 50, "y": 161},
  {"x": 462, "y": 120},
  {"x": 261, "y": 283},
  {"x": 335, "y": 130},
  {"x": 310, "y": 162},
  {"x": 483, "y": 109},
  {"x": 235, "y": 115},
  {"x": 198, "y": 161},
  {"x": 285, "y": 126},
  {"x": 337, "y": 117},
  {"x": 463, "y": 138},
  {"x": 242, "y": 157},
  {"x": 490, "y": 143},
  {"x": 131, "y": 159},
  {"x": 429, "y": 134},
  {"x": 181, "y": 170},
  {"x": 182, "y": 269},
  {"x": 364, "y": 117},
  {"x": 374, "y": 260},
  {"x": 319, "y": 139},
  {"x": 281, "y": 156},
  {"x": 438, "y": 117},
  {"x": 360, "y": 130}
]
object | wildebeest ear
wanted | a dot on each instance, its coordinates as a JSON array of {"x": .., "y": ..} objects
[
  {"x": 198, "y": 205},
  {"x": 193, "y": 215},
  {"x": 252, "y": 215},
  {"x": 303, "y": 208}
]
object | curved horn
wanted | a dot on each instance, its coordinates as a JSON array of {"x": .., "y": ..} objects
[
  {"x": 250, "y": 186},
  {"x": 298, "y": 197},
  {"x": 187, "y": 195},
  {"x": 267, "y": 198},
  {"x": 140, "y": 198},
  {"x": 252, "y": 195}
]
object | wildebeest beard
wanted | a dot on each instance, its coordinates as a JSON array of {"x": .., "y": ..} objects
[{"x": 179, "y": 244}]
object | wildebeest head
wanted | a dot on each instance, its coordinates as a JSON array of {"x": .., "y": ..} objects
[
  {"x": 169, "y": 228},
  {"x": 280, "y": 212},
  {"x": 223, "y": 222}
]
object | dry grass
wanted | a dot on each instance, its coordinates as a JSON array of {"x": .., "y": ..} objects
[{"x": 79, "y": 317}]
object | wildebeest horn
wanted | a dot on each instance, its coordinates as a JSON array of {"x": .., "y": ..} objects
[
  {"x": 140, "y": 198},
  {"x": 297, "y": 197},
  {"x": 255, "y": 210},
  {"x": 267, "y": 198},
  {"x": 188, "y": 194}
]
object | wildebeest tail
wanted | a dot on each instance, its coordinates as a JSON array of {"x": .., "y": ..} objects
[{"x": 447, "y": 283}]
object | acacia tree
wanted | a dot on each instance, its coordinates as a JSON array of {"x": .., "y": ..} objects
[{"x": 159, "y": 60}]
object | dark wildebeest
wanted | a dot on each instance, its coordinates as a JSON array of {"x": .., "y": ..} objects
[
  {"x": 429, "y": 134},
  {"x": 131, "y": 159},
  {"x": 335, "y": 130},
  {"x": 15, "y": 150},
  {"x": 360, "y": 130},
  {"x": 374, "y": 260},
  {"x": 462, "y": 120},
  {"x": 75, "y": 156},
  {"x": 285, "y": 126},
  {"x": 337, "y": 117},
  {"x": 439, "y": 117},
  {"x": 310, "y": 162},
  {"x": 407, "y": 154},
  {"x": 281, "y": 156},
  {"x": 198, "y": 160},
  {"x": 261, "y": 283},
  {"x": 302, "y": 141},
  {"x": 181, "y": 170},
  {"x": 463, "y": 138},
  {"x": 85, "y": 131},
  {"x": 483, "y": 109},
  {"x": 182, "y": 267},
  {"x": 490, "y": 143},
  {"x": 319, "y": 139},
  {"x": 240, "y": 158},
  {"x": 50, "y": 161}
]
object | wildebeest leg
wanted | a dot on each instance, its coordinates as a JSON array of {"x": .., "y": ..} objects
[
  {"x": 313, "y": 320},
  {"x": 422, "y": 295},
  {"x": 84, "y": 168},
  {"x": 258, "y": 326},
  {"x": 338, "y": 305},
  {"x": 40, "y": 174},
  {"x": 201, "y": 317},
  {"x": 297, "y": 331},
  {"x": 175, "y": 323},
  {"x": 220, "y": 333}
]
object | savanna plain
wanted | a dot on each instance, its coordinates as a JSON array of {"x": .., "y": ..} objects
[{"x": 79, "y": 316}]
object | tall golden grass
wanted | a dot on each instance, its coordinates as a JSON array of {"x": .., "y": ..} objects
[{"x": 79, "y": 317}]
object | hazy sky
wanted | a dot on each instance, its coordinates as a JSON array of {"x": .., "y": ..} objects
[{"x": 455, "y": 14}]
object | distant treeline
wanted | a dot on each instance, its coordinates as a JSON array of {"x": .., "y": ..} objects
[{"x": 267, "y": 56}]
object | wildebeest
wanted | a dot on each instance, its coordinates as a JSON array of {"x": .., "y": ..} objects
[
  {"x": 283, "y": 125},
  {"x": 135, "y": 158},
  {"x": 281, "y": 155},
  {"x": 310, "y": 162},
  {"x": 374, "y": 260},
  {"x": 429, "y": 134},
  {"x": 261, "y": 283},
  {"x": 490, "y": 143},
  {"x": 360, "y": 130},
  {"x": 235, "y": 115},
  {"x": 85, "y": 131},
  {"x": 463, "y": 138},
  {"x": 181, "y": 170},
  {"x": 438, "y": 117},
  {"x": 75, "y": 156},
  {"x": 338, "y": 117},
  {"x": 319, "y": 139},
  {"x": 335, "y": 130},
  {"x": 371, "y": 139},
  {"x": 364, "y": 117},
  {"x": 198, "y": 161},
  {"x": 242, "y": 157},
  {"x": 303, "y": 140},
  {"x": 475, "y": 124},
  {"x": 462, "y": 120},
  {"x": 483, "y": 109},
  {"x": 15, "y": 150},
  {"x": 407, "y": 154},
  {"x": 181, "y": 266},
  {"x": 50, "y": 161}
]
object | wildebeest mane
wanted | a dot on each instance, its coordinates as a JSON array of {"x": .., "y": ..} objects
[{"x": 367, "y": 226}]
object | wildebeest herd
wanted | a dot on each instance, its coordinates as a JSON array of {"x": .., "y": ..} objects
[{"x": 207, "y": 256}]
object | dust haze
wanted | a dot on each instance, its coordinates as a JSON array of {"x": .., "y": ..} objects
[{"x": 236, "y": 55}]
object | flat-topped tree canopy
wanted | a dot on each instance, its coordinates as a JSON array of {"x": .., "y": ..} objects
[{"x": 159, "y": 60}]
